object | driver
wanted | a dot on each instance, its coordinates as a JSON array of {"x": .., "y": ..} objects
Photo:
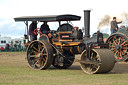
[
  {"x": 45, "y": 29},
  {"x": 32, "y": 27}
]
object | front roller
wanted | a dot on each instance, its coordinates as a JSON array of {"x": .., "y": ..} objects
[
  {"x": 39, "y": 55},
  {"x": 100, "y": 61}
]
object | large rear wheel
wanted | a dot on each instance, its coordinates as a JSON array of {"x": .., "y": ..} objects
[{"x": 39, "y": 55}]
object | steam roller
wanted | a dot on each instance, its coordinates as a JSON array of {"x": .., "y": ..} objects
[
  {"x": 66, "y": 41},
  {"x": 99, "y": 61}
]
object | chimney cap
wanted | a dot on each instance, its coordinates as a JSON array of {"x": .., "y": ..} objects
[{"x": 88, "y": 10}]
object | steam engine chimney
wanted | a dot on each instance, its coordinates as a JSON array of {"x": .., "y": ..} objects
[{"x": 87, "y": 23}]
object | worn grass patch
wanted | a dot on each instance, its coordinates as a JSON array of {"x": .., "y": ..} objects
[{"x": 15, "y": 71}]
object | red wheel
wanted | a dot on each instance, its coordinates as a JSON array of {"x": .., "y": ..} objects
[{"x": 118, "y": 43}]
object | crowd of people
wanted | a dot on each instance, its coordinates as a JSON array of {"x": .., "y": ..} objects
[{"x": 15, "y": 47}]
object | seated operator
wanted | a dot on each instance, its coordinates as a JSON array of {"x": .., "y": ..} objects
[
  {"x": 77, "y": 34},
  {"x": 45, "y": 29}
]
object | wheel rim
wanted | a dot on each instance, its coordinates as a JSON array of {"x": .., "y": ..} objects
[
  {"x": 119, "y": 45},
  {"x": 37, "y": 55},
  {"x": 90, "y": 68}
]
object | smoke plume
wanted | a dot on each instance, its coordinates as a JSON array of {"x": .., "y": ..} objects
[
  {"x": 124, "y": 17},
  {"x": 104, "y": 21}
]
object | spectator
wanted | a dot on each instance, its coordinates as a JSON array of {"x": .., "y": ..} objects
[
  {"x": 15, "y": 47},
  {"x": 19, "y": 46},
  {"x": 7, "y": 47}
]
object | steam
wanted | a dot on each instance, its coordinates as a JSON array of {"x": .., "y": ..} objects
[
  {"x": 124, "y": 17},
  {"x": 104, "y": 21}
]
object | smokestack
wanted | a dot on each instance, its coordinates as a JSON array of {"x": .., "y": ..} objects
[{"x": 87, "y": 23}]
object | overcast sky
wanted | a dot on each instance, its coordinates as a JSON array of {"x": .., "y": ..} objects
[{"x": 15, "y": 8}]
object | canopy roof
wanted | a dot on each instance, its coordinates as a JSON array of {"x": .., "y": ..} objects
[{"x": 66, "y": 17}]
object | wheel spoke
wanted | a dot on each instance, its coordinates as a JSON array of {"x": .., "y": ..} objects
[
  {"x": 36, "y": 62},
  {"x": 112, "y": 43},
  {"x": 39, "y": 47},
  {"x": 44, "y": 59},
  {"x": 44, "y": 54},
  {"x": 41, "y": 60},
  {"x": 125, "y": 45},
  {"x": 42, "y": 50},
  {"x": 112, "y": 46},
  {"x": 125, "y": 48},
  {"x": 123, "y": 42},
  {"x": 118, "y": 54},
  {"x": 35, "y": 52},
  {"x": 119, "y": 40},
  {"x": 116, "y": 39},
  {"x": 35, "y": 49},
  {"x": 113, "y": 50},
  {"x": 122, "y": 53},
  {"x": 115, "y": 53},
  {"x": 33, "y": 56},
  {"x": 125, "y": 51}
]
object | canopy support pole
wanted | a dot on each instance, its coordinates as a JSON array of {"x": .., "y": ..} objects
[{"x": 26, "y": 23}]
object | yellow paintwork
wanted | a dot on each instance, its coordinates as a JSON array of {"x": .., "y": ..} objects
[{"x": 69, "y": 43}]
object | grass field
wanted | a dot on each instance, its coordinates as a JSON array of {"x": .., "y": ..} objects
[{"x": 14, "y": 70}]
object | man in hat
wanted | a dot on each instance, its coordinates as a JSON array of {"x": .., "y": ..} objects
[
  {"x": 114, "y": 26},
  {"x": 77, "y": 34}
]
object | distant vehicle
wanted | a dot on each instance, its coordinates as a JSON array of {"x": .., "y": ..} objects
[
  {"x": 4, "y": 41},
  {"x": 65, "y": 42}
]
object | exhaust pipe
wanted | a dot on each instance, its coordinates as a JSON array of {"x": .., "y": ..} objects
[{"x": 87, "y": 23}]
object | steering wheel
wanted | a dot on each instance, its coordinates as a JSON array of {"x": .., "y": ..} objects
[{"x": 36, "y": 31}]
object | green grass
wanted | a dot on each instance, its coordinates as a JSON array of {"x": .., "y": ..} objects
[{"x": 15, "y": 71}]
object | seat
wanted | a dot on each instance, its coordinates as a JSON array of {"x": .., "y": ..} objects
[{"x": 65, "y": 27}]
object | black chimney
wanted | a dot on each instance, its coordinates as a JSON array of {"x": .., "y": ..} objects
[{"x": 87, "y": 23}]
